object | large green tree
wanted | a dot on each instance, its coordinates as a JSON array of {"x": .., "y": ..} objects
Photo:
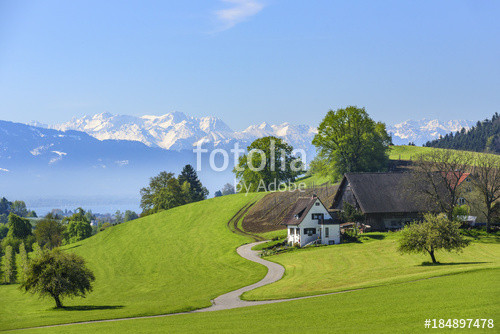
[
  {"x": 434, "y": 233},
  {"x": 268, "y": 163},
  {"x": 164, "y": 192},
  {"x": 58, "y": 274},
  {"x": 197, "y": 191},
  {"x": 78, "y": 230},
  {"x": 348, "y": 140},
  {"x": 78, "y": 226},
  {"x": 49, "y": 232},
  {"x": 19, "y": 228},
  {"x": 19, "y": 208}
]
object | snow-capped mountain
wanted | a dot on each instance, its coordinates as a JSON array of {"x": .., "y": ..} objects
[
  {"x": 177, "y": 131},
  {"x": 421, "y": 131},
  {"x": 39, "y": 161}
]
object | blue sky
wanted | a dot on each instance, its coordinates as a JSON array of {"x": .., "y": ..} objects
[{"x": 248, "y": 61}]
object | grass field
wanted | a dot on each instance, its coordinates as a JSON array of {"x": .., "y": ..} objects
[
  {"x": 172, "y": 261},
  {"x": 406, "y": 152},
  {"x": 400, "y": 308},
  {"x": 313, "y": 181},
  {"x": 318, "y": 270}
]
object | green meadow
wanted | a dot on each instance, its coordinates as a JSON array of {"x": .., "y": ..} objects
[
  {"x": 375, "y": 261},
  {"x": 397, "y": 308},
  {"x": 173, "y": 261},
  {"x": 407, "y": 152}
]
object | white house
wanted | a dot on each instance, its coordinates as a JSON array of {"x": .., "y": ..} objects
[{"x": 308, "y": 221}]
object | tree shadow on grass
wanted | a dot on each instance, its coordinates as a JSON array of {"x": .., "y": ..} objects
[
  {"x": 73, "y": 247},
  {"x": 89, "y": 307},
  {"x": 376, "y": 236},
  {"x": 449, "y": 264}
]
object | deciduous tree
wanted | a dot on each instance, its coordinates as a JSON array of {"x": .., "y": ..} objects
[
  {"x": 434, "y": 233},
  {"x": 164, "y": 192},
  {"x": 486, "y": 180},
  {"x": 58, "y": 274},
  {"x": 348, "y": 140},
  {"x": 19, "y": 208},
  {"x": 269, "y": 161},
  {"x": 130, "y": 215},
  {"x": 437, "y": 177},
  {"x": 77, "y": 230},
  {"x": 49, "y": 232}
]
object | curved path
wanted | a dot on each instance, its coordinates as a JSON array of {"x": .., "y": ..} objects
[{"x": 232, "y": 299}]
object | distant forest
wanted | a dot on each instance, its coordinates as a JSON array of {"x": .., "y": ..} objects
[{"x": 484, "y": 137}]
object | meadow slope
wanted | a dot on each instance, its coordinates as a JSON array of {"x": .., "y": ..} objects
[
  {"x": 173, "y": 261},
  {"x": 318, "y": 270},
  {"x": 398, "y": 308}
]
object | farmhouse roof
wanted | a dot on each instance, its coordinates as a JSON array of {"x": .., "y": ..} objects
[
  {"x": 300, "y": 209},
  {"x": 455, "y": 178},
  {"x": 379, "y": 192}
]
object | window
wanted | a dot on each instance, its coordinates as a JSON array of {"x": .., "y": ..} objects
[
  {"x": 291, "y": 231},
  {"x": 317, "y": 204},
  {"x": 461, "y": 201},
  {"x": 317, "y": 216},
  {"x": 297, "y": 231},
  {"x": 327, "y": 232},
  {"x": 309, "y": 231}
]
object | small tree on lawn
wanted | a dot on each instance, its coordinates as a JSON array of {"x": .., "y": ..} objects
[
  {"x": 8, "y": 266},
  {"x": 58, "y": 274},
  {"x": 434, "y": 233},
  {"x": 22, "y": 263}
]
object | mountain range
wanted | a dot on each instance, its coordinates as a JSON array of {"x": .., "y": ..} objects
[
  {"x": 178, "y": 131},
  {"x": 421, "y": 131},
  {"x": 109, "y": 157}
]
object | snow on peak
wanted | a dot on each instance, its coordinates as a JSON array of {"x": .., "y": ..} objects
[
  {"x": 178, "y": 131},
  {"x": 423, "y": 130}
]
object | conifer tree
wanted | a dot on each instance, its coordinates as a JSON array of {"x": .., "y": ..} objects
[{"x": 197, "y": 191}]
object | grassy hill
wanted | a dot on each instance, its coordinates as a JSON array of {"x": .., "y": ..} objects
[
  {"x": 405, "y": 152},
  {"x": 400, "y": 308},
  {"x": 173, "y": 261},
  {"x": 373, "y": 262}
]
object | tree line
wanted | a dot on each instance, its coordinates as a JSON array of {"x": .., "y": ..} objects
[{"x": 483, "y": 137}]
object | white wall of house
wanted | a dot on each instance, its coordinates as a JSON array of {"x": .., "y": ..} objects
[{"x": 309, "y": 229}]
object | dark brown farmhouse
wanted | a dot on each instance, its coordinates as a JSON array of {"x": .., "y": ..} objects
[{"x": 381, "y": 197}]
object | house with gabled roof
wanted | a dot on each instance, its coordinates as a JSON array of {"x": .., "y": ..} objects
[
  {"x": 382, "y": 198},
  {"x": 308, "y": 221}
]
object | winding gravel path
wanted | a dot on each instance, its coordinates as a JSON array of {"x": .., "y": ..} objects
[{"x": 232, "y": 299}]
